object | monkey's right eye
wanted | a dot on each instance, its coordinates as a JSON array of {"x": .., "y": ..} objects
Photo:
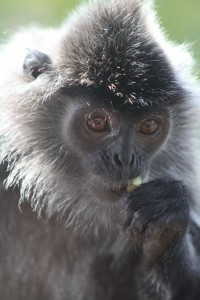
[
  {"x": 149, "y": 126},
  {"x": 97, "y": 123}
]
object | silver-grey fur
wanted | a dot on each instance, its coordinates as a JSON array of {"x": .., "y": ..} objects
[{"x": 31, "y": 158}]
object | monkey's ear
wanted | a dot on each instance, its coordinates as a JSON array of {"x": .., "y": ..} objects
[{"x": 36, "y": 63}]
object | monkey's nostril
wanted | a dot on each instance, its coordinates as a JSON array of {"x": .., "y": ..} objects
[
  {"x": 117, "y": 160},
  {"x": 132, "y": 161}
]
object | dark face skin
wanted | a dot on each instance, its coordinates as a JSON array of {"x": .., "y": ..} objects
[{"x": 113, "y": 144}]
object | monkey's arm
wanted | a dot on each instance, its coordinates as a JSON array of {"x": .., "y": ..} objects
[{"x": 159, "y": 223}]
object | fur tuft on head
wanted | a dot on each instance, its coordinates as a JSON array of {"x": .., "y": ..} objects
[{"x": 118, "y": 45}]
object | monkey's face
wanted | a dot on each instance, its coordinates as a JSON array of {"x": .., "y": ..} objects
[{"x": 109, "y": 144}]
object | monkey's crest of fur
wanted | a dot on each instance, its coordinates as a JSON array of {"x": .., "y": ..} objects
[
  {"x": 119, "y": 48},
  {"x": 110, "y": 44}
]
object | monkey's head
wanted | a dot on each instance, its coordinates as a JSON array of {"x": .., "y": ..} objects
[{"x": 108, "y": 106}]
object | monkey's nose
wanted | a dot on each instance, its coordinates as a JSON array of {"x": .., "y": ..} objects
[{"x": 123, "y": 161}]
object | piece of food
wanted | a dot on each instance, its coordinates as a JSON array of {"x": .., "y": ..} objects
[{"x": 134, "y": 184}]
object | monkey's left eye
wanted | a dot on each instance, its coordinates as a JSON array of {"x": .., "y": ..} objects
[
  {"x": 150, "y": 126},
  {"x": 97, "y": 123}
]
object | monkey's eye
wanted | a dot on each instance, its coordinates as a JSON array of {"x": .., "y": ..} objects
[
  {"x": 97, "y": 123},
  {"x": 150, "y": 126}
]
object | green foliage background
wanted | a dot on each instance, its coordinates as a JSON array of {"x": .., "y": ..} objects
[{"x": 181, "y": 18}]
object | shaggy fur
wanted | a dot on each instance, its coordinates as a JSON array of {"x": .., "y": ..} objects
[{"x": 116, "y": 49}]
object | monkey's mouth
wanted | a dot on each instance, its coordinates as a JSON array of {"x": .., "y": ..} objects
[
  {"x": 124, "y": 187},
  {"x": 114, "y": 191}
]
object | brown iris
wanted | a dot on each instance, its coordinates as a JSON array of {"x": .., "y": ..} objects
[
  {"x": 97, "y": 123},
  {"x": 149, "y": 127}
]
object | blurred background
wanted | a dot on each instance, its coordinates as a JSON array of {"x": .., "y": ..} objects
[{"x": 180, "y": 18}]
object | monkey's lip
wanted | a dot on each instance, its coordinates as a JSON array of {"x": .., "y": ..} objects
[
  {"x": 119, "y": 187},
  {"x": 128, "y": 186},
  {"x": 113, "y": 191}
]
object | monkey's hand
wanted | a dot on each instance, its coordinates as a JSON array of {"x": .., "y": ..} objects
[
  {"x": 158, "y": 214},
  {"x": 158, "y": 223}
]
